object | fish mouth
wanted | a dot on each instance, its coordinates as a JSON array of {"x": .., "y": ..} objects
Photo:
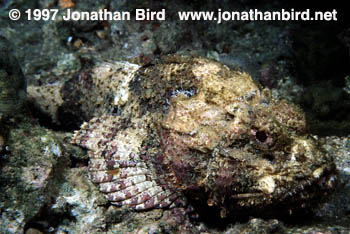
[
  {"x": 322, "y": 180},
  {"x": 326, "y": 178},
  {"x": 247, "y": 195}
]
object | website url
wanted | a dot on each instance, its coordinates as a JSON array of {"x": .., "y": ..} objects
[{"x": 255, "y": 14}]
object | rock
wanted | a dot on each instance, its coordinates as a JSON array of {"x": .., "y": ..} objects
[
  {"x": 30, "y": 175},
  {"x": 12, "y": 81}
]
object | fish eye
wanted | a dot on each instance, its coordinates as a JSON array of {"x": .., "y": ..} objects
[
  {"x": 269, "y": 157},
  {"x": 229, "y": 117},
  {"x": 261, "y": 136}
]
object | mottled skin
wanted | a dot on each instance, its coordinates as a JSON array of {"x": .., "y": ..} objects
[{"x": 194, "y": 131}]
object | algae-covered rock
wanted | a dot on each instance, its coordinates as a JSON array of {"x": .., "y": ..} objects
[
  {"x": 31, "y": 172},
  {"x": 327, "y": 109},
  {"x": 315, "y": 57},
  {"x": 78, "y": 200},
  {"x": 12, "y": 81}
]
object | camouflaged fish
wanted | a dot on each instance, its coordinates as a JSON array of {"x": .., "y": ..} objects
[{"x": 192, "y": 131}]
